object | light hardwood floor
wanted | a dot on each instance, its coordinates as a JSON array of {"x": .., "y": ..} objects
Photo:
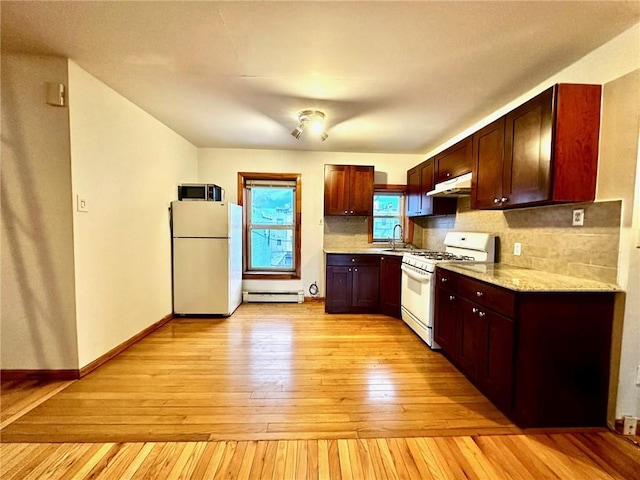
[{"x": 285, "y": 391}]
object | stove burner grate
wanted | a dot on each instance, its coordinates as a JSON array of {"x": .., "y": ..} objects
[{"x": 444, "y": 256}]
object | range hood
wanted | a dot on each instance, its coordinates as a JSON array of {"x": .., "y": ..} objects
[{"x": 456, "y": 187}]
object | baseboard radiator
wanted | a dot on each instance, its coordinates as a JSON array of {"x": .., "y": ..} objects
[{"x": 273, "y": 297}]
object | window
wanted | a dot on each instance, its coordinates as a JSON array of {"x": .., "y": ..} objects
[
  {"x": 271, "y": 205},
  {"x": 388, "y": 211}
]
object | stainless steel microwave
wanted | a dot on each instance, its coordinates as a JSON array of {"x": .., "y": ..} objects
[{"x": 200, "y": 191}]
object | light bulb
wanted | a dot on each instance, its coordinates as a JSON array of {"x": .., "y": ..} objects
[{"x": 316, "y": 126}]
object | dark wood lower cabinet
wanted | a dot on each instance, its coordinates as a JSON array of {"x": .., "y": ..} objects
[
  {"x": 339, "y": 288},
  {"x": 541, "y": 357},
  {"x": 496, "y": 369},
  {"x": 352, "y": 283},
  {"x": 364, "y": 293},
  {"x": 365, "y": 283},
  {"x": 446, "y": 331},
  {"x": 390, "y": 285}
]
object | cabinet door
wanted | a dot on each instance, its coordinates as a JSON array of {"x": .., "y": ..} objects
[
  {"x": 471, "y": 339},
  {"x": 361, "y": 190},
  {"x": 365, "y": 287},
  {"x": 486, "y": 182},
  {"x": 454, "y": 161},
  {"x": 339, "y": 289},
  {"x": 390, "y": 285},
  {"x": 527, "y": 159},
  {"x": 426, "y": 184},
  {"x": 414, "y": 193},
  {"x": 497, "y": 370},
  {"x": 446, "y": 320},
  {"x": 336, "y": 189}
]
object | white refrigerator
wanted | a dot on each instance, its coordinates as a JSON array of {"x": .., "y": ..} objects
[{"x": 207, "y": 257}]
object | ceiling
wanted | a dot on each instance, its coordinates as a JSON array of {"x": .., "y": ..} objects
[{"x": 399, "y": 77}]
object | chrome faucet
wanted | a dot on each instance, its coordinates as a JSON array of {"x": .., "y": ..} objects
[{"x": 393, "y": 236}]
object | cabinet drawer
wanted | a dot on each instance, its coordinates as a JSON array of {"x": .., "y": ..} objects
[
  {"x": 344, "y": 260},
  {"x": 448, "y": 280},
  {"x": 489, "y": 296}
]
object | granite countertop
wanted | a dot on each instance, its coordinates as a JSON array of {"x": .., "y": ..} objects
[
  {"x": 365, "y": 251},
  {"x": 527, "y": 280}
]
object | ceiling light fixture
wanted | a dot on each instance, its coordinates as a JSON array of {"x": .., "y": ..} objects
[{"x": 312, "y": 119}]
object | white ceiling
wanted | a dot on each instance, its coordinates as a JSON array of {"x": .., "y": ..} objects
[{"x": 392, "y": 76}]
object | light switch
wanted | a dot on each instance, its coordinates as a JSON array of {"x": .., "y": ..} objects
[{"x": 82, "y": 204}]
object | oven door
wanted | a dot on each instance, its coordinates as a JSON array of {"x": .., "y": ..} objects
[{"x": 417, "y": 300}]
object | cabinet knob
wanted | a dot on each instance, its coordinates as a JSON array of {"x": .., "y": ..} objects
[
  {"x": 495, "y": 200},
  {"x": 448, "y": 175},
  {"x": 353, "y": 259},
  {"x": 479, "y": 294},
  {"x": 474, "y": 310},
  {"x": 504, "y": 199},
  {"x": 481, "y": 314},
  {"x": 355, "y": 269},
  {"x": 444, "y": 279},
  {"x": 451, "y": 297},
  {"x": 351, "y": 212},
  {"x": 349, "y": 269},
  {"x": 346, "y": 212}
]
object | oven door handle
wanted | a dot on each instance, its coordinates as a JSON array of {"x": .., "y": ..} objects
[{"x": 411, "y": 274}]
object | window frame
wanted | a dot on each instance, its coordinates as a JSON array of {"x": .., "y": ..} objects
[
  {"x": 407, "y": 226},
  {"x": 295, "y": 274}
]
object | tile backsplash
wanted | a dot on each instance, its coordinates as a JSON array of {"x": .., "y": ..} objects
[
  {"x": 548, "y": 240},
  {"x": 345, "y": 232}
]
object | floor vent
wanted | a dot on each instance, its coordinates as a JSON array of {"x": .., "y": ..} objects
[{"x": 273, "y": 297}]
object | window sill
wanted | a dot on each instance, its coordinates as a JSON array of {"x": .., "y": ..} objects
[{"x": 270, "y": 276}]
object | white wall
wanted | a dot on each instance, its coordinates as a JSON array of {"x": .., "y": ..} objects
[
  {"x": 38, "y": 304},
  {"x": 612, "y": 60},
  {"x": 221, "y": 166},
  {"x": 619, "y": 177},
  {"x": 126, "y": 165}
]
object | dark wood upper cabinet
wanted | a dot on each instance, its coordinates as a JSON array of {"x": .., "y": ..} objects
[
  {"x": 414, "y": 200},
  {"x": 488, "y": 158},
  {"x": 543, "y": 152},
  {"x": 454, "y": 161},
  {"x": 420, "y": 180},
  {"x": 348, "y": 190}
]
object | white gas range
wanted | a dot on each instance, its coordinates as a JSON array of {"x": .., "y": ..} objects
[{"x": 418, "y": 285}]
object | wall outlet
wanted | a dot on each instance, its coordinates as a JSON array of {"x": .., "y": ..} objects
[
  {"x": 517, "y": 248},
  {"x": 629, "y": 425},
  {"x": 578, "y": 217}
]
